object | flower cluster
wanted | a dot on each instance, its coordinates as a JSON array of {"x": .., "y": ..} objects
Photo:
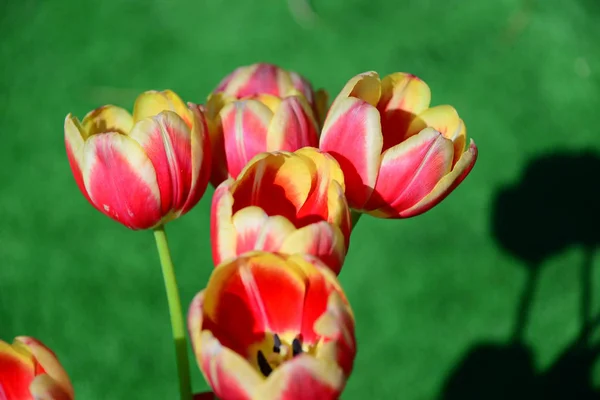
[{"x": 291, "y": 177}]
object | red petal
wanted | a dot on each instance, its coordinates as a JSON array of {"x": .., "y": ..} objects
[
  {"x": 279, "y": 183},
  {"x": 411, "y": 170},
  {"x": 16, "y": 373},
  {"x": 166, "y": 140},
  {"x": 245, "y": 125},
  {"x": 352, "y": 134},
  {"x": 292, "y": 127},
  {"x": 121, "y": 180},
  {"x": 255, "y": 230},
  {"x": 259, "y": 293}
]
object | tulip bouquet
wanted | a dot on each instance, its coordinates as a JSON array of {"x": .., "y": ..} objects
[{"x": 292, "y": 177}]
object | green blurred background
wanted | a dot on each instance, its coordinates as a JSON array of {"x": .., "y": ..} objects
[{"x": 484, "y": 297}]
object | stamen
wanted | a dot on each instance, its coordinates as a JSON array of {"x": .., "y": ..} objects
[
  {"x": 296, "y": 347},
  {"x": 276, "y": 343},
  {"x": 263, "y": 364}
]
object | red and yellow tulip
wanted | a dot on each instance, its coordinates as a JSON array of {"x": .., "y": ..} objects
[
  {"x": 260, "y": 108},
  {"x": 273, "y": 327},
  {"x": 283, "y": 202},
  {"x": 144, "y": 169},
  {"x": 399, "y": 156},
  {"x": 29, "y": 370}
]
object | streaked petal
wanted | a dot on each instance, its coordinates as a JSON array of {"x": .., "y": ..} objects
[
  {"x": 201, "y": 157},
  {"x": 245, "y": 125},
  {"x": 121, "y": 180},
  {"x": 59, "y": 386},
  {"x": 322, "y": 240},
  {"x": 166, "y": 140},
  {"x": 222, "y": 231},
  {"x": 447, "y": 184},
  {"x": 403, "y": 96},
  {"x": 303, "y": 378},
  {"x": 410, "y": 170},
  {"x": 107, "y": 118},
  {"x": 279, "y": 183},
  {"x": 365, "y": 86},
  {"x": 303, "y": 86},
  {"x": 292, "y": 127},
  {"x": 255, "y": 230},
  {"x": 257, "y": 79},
  {"x": 74, "y": 134},
  {"x": 260, "y": 292},
  {"x": 153, "y": 102},
  {"x": 445, "y": 120},
  {"x": 352, "y": 135}
]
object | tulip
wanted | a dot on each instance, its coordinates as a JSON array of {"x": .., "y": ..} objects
[
  {"x": 260, "y": 108},
  {"x": 29, "y": 370},
  {"x": 399, "y": 156},
  {"x": 145, "y": 169},
  {"x": 273, "y": 327},
  {"x": 283, "y": 202}
]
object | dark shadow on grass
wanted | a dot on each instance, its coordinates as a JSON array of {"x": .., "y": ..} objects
[{"x": 553, "y": 207}]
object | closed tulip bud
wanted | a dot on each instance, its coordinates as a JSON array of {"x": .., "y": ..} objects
[
  {"x": 399, "y": 156},
  {"x": 29, "y": 370},
  {"x": 273, "y": 327},
  {"x": 291, "y": 203},
  {"x": 261, "y": 108},
  {"x": 145, "y": 169}
]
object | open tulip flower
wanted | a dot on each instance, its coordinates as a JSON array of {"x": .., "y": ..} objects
[
  {"x": 144, "y": 169},
  {"x": 260, "y": 108},
  {"x": 273, "y": 327},
  {"x": 283, "y": 202},
  {"x": 399, "y": 156},
  {"x": 29, "y": 370}
]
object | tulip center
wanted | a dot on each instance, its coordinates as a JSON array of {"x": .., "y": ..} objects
[{"x": 277, "y": 349}]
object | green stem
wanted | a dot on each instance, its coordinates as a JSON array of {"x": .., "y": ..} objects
[
  {"x": 355, "y": 217},
  {"x": 177, "y": 324}
]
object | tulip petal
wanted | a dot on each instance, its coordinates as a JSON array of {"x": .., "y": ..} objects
[
  {"x": 445, "y": 120},
  {"x": 121, "y": 180},
  {"x": 402, "y": 97},
  {"x": 448, "y": 183},
  {"x": 214, "y": 105},
  {"x": 365, "y": 86},
  {"x": 237, "y": 294},
  {"x": 153, "y": 102},
  {"x": 226, "y": 372},
  {"x": 352, "y": 135},
  {"x": 302, "y": 85},
  {"x": 17, "y": 370},
  {"x": 255, "y": 230},
  {"x": 44, "y": 387},
  {"x": 279, "y": 183},
  {"x": 222, "y": 231},
  {"x": 229, "y": 375},
  {"x": 336, "y": 327},
  {"x": 303, "y": 378},
  {"x": 410, "y": 170},
  {"x": 257, "y": 79},
  {"x": 322, "y": 240},
  {"x": 59, "y": 387},
  {"x": 74, "y": 134},
  {"x": 107, "y": 118},
  {"x": 166, "y": 140},
  {"x": 292, "y": 127},
  {"x": 245, "y": 125},
  {"x": 201, "y": 158}
]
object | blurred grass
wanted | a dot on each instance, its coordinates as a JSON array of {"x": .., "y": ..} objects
[{"x": 525, "y": 79}]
